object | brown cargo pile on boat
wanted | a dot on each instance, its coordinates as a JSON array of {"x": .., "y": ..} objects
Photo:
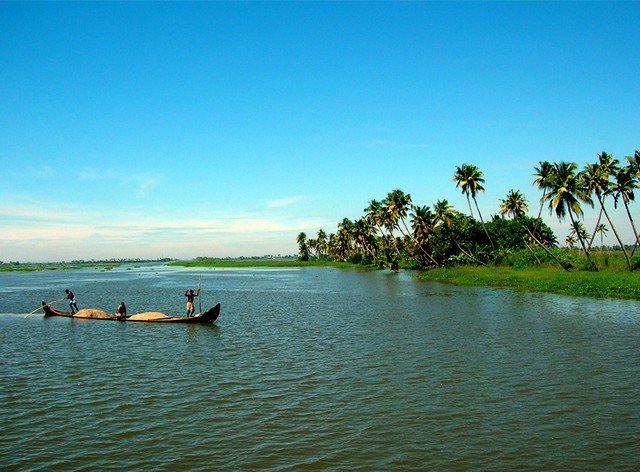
[
  {"x": 92, "y": 313},
  {"x": 149, "y": 315}
]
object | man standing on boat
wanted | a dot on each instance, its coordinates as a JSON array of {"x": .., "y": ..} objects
[
  {"x": 72, "y": 300},
  {"x": 190, "y": 296}
]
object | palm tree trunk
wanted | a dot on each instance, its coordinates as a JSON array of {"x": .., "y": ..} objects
[
  {"x": 546, "y": 249},
  {"x": 633, "y": 226},
  {"x": 593, "y": 236},
  {"x": 483, "y": 225},
  {"x": 524, "y": 240},
  {"x": 415, "y": 241},
  {"x": 469, "y": 202},
  {"x": 613, "y": 228},
  {"x": 582, "y": 243}
]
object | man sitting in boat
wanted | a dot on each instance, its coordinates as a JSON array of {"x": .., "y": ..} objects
[
  {"x": 121, "y": 310},
  {"x": 190, "y": 296}
]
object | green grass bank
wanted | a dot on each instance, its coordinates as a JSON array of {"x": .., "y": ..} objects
[{"x": 601, "y": 284}]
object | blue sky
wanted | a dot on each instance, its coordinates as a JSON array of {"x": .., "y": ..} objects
[{"x": 225, "y": 129}]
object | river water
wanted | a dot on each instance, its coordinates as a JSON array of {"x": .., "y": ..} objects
[{"x": 315, "y": 369}]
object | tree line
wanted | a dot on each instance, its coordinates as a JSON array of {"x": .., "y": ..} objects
[{"x": 395, "y": 231}]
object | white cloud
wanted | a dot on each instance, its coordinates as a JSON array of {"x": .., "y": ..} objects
[
  {"x": 283, "y": 202},
  {"x": 389, "y": 144},
  {"x": 141, "y": 181}
]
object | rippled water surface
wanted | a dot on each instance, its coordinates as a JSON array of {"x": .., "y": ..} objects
[{"x": 315, "y": 369}]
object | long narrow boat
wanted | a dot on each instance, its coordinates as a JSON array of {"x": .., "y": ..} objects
[{"x": 208, "y": 316}]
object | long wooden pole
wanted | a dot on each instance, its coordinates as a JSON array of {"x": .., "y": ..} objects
[{"x": 199, "y": 293}]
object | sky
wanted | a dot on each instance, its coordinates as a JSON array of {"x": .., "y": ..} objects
[{"x": 178, "y": 129}]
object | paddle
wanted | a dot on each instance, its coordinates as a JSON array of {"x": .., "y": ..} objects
[{"x": 40, "y": 308}]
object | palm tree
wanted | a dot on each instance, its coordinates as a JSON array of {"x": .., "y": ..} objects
[
  {"x": 444, "y": 215},
  {"x": 563, "y": 195},
  {"x": 373, "y": 214},
  {"x": 515, "y": 205},
  {"x": 602, "y": 228},
  {"x": 422, "y": 221},
  {"x": 302, "y": 246},
  {"x": 321, "y": 242},
  {"x": 595, "y": 179},
  {"x": 362, "y": 233},
  {"x": 570, "y": 240},
  {"x": 396, "y": 206},
  {"x": 470, "y": 179},
  {"x": 623, "y": 188},
  {"x": 543, "y": 175},
  {"x": 634, "y": 162}
]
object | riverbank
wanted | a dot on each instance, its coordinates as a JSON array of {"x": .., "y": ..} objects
[{"x": 602, "y": 284}]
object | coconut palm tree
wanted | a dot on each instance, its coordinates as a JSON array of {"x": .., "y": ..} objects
[
  {"x": 396, "y": 206},
  {"x": 470, "y": 179},
  {"x": 542, "y": 180},
  {"x": 373, "y": 214},
  {"x": 595, "y": 180},
  {"x": 602, "y": 228},
  {"x": 362, "y": 233},
  {"x": 321, "y": 242},
  {"x": 303, "y": 247},
  {"x": 623, "y": 189},
  {"x": 515, "y": 205},
  {"x": 570, "y": 241},
  {"x": 634, "y": 162},
  {"x": 564, "y": 195},
  {"x": 422, "y": 221}
]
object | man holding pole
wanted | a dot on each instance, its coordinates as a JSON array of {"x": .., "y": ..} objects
[{"x": 190, "y": 297}]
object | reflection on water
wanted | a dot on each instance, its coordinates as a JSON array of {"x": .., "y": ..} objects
[{"x": 315, "y": 368}]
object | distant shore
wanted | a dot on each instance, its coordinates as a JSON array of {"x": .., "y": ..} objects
[{"x": 580, "y": 283}]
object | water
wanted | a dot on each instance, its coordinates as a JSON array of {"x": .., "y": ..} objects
[{"x": 315, "y": 369}]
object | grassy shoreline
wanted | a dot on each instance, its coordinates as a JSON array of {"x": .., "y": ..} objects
[{"x": 602, "y": 284}]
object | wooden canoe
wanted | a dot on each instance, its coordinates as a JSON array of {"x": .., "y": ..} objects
[{"x": 208, "y": 316}]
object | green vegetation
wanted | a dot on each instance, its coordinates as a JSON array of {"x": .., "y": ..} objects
[{"x": 601, "y": 284}]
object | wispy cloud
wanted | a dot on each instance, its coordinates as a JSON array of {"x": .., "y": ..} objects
[
  {"x": 141, "y": 181},
  {"x": 283, "y": 202},
  {"x": 42, "y": 172},
  {"x": 384, "y": 143}
]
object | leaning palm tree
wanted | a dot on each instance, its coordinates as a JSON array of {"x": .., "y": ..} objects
[
  {"x": 444, "y": 215},
  {"x": 373, "y": 214},
  {"x": 564, "y": 195},
  {"x": 623, "y": 189},
  {"x": 397, "y": 205},
  {"x": 543, "y": 175},
  {"x": 393, "y": 208},
  {"x": 470, "y": 179},
  {"x": 422, "y": 221},
  {"x": 515, "y": 205},
  {"x": 595, "y": 180}
]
